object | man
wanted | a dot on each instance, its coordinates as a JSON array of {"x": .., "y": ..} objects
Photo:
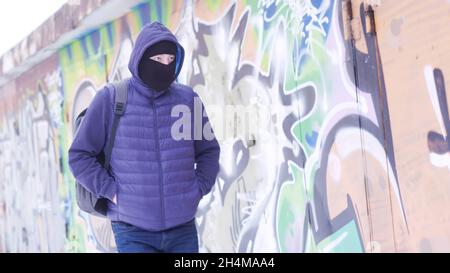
[{"x": 156, "y": 180}]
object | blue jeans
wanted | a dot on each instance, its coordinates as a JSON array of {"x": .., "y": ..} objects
[{"x": 180, "y": 239}]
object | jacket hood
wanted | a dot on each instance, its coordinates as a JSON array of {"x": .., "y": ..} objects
[{"x": 150, "y": 35}]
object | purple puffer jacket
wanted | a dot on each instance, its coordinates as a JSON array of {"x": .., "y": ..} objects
[{"x": 158, "y": 180}]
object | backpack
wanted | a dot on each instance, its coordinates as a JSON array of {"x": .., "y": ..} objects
[{"x": 85, "y": 199}]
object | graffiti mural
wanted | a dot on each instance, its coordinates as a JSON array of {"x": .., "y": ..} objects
[
  {"x": 332, "y": 169},
  {"x": 32, "y": 216},
  {"x": 438, "y": 143}
]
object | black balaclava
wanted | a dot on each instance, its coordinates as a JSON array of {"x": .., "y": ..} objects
[{"x": 155, "y": 74}]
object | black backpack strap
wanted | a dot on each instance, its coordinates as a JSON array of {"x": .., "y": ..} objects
[{"x": 120, "y": 103}]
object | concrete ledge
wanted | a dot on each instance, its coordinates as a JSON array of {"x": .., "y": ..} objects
[{"x": 71, "y": 21}]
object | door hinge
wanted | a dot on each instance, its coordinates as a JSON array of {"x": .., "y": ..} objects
[
  {"x": 370, "y": 20},
  {"x": 347, "y": 17},
  {"x": 352, "y": 24}
]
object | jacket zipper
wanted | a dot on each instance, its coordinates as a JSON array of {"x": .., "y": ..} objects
[{"x": 161, "y": 189}]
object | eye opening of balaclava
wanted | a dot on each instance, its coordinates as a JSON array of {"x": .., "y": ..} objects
[{"x": 155, "y": 74}]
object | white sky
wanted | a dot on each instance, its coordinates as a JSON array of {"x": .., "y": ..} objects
[{"x": 18, "y": 18}]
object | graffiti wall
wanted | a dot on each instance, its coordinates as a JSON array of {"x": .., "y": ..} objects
[{"x": 354, "y": 156}]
